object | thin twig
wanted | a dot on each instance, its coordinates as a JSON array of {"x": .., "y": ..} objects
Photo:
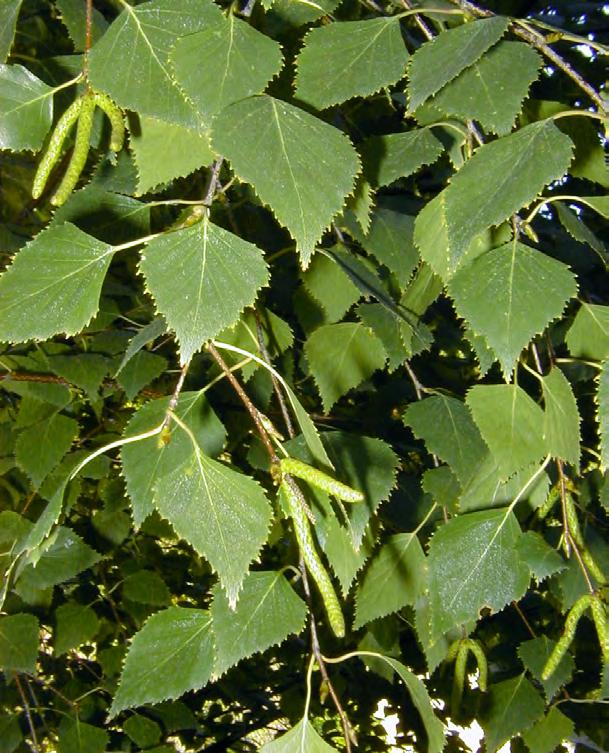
[
  {"x": 522, "y": 616},
  {"x": 570, "y": 538},
  {"x": 88, "y": 27},
  {"x": 175, "y": 396},
  {"x": 425, "y": 30},
  {"x": 249, "y": 406},
  {"x": 212, "y": 183},
  {"x": 28, "y": 716}
]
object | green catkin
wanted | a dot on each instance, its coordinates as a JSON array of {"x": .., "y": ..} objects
[
  {"x": 459, "y": 677},
  {"x": 115, "y": 116},
  {"x": 79, "y": 155},
  {"x": 601, "y": 622},
  {"x": 311, "y": 558},
  {"x": 477, "y": 651},
  {"x": 565, "y": 640},
  {"x": 321, "y": 480},
  {"x": 576, "y": 533},
  {"x": 53, "y": 152}
]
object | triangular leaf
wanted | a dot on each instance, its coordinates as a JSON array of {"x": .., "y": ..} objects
[
  {"x": 53, "y": 285},
  {"x": 222, "y": 514},
  {"x": 510, "y": 294},
  {"x": 268, "y": 612},
  {"x": 26, "y": 109},
  {"x": 237, "y": 59},
  {"x": 474, "y": 563},
  {"x": 535, "y": 653},
  {"x": 300, "y": 739},
  {"x": 9, "y": 10},
  {"x": 76, "y": 623},
  {"x": 175, "y": 637},
  {"x": 40, "y": 447},
  {"x": 561, "y": 418},
  {"x": 341, "y": 356},
  {"x": 397, "y": 155},
  {"x": 541, "y": 559},
  {"x": 545, "y": 736},
  {"x": 511, "y": 424},
  {"x": 514, "y": 706},
  {"x": 201, "y": 278},
  {"x": 138, "y": 44},
  {"x": 18, "y": 642},
  {"x": 77, "y": 737},
  {"x": 437, "y": 62},
  {"x": 588, "y": 336},
  {"x": 314, "y": 165},
  {"x": 348, "y": 59}
]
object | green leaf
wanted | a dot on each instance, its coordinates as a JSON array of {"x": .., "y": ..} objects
[
  {"x": 341, "y": 356},
  {"x": 561, "y": 418},
  {"x": 486, "y": 489},
  {"x": 439, "y": 61},
  {"x": 268, "y": 612},
  {"x": 77, "y": 737},
  {"x": 390, "y": 330},
  {"x": 446, "y": 426},
  {"x": 535, "y": 653},
  {"x": 542, "y": 560},
  {"x": 147, "y": 334},
  {"x": 474, "y": 563},
  {"x": 222, "y": 514},
  {"x": 510, "y": 294},
  {"x": 63, "y": 555},
  {"x": 76, "y": 624},
  {"x": 314, "y": 165},
  {"x": 511, "y": 424},
  {"x": 549, "y": 732},
  {"x": 9, "y": 10},
  {"x": 74, "y": 16},
  {"x": 139, "y": 371},
  {"x": 18, "y": 642},
  {"x": 484, "y": 93},
  {"x": 578, "y": 230},
  {"x": 53, "y": 285},
  {"x": 10, "y": 732},
  {"x": 298, "y": 12},
  {"x": 143, "y": 731},
  {"x": 588, "y": 336},
  {"x": 85, "y": 370},
  {"x": 40, "y": 448},
  {"x": 26, "y": 109},
  {"x": 138, "y": 44},
  {"x": 442, "y": 486},
  {"x": 163, "y": 151},
  {"x": 144, "y": 462},
  {"x": 201, "y": 278},
  {"x": 353, "y": 58},
  {"x": 174, "y": 638},
  {"x": 396, "y": 577},
  {"x": 514, "y": 706},
  {"x": 398, "y": 155},
  {"x": 300, "y": 739},
  {"x": 237, "y": 59},
  {"x": 146, "y": 587},
  {"x": 328, "y": 283},
  {"x": 525, "y": 161},
  {"x": 602, "y": 402}
]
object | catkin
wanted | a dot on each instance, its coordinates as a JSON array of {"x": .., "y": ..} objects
[
  {"x": 459, "y": 678},
  {"x": 79, "y": 154},
  {"x": 311, "y": 558},
  {"x": 53, "y": 151},
  {"x": 565, "y": 640},
  {"x": 115, "y": 116},
  {"x": 321, "y": 480}
]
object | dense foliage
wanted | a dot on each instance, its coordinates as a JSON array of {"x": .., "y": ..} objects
[{"x": 304, "y": 393}]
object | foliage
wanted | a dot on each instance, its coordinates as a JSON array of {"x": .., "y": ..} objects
[{"x": 365, "y": 236}]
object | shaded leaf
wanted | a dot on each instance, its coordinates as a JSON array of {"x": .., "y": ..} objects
[
  {"x": 561, "y": 418},
  {"x": 85, "y": 370},
  {"x": 75, "y": 624},
  {"x": 268, "y": 612},
  {"x": 397, "y": 155},
  {"x": 53, "y": 285},
  {"x": 143, "y": 731},
  {"x": 347, "y": 59},
  {"x": 340, "y": 357},
  {"x": 26, "y": 108},
  {"x": 175, "y": 637},
  {"x": 474, "y": 563},
  {"x": 201, "y": 278},
  {"x": 328, "y": 283},
  {"x": 40, "y": 447},
  {"x": 77, "y": 737},
  {"x": 314, "y": 165},
  {"x": 602, "y": 402},
  {"x": 139, "y": 371},
  {"x": 300, "y": 739},
  {"x": 542, "y": 560},
  {"x": 146, "y": 587},
  {"x": 535, "y": 653},
  {"x": 588, "y": 336},
  {"x": 510, "y": 294},
  {"x": 74, "y": 16},
  {"x": 18, "y": 642},
  {"x": 514, "y": 706}
]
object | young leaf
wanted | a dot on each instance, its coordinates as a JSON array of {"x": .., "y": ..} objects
[
  {"x": 53, "y": 285},
  {"x": 349, "y": 59},
  {"x": 437, "y": 62},
  {"x": 514, "y": 706},
  {"x": 222, "y": 514},
  {"x": 138, "y": 44},
  {"x": 40, "y": 447},
  {"x": 85, "y": 370},
  {"x": 510, "y": 294},
  {"x": 18, "y": 642},
  {"x": 474, "y": 563},
  {"x": 201, "y": 278},
  {"x": 163, "y": 151},
  {"x": 300, "y": 739},
  {"x": 579, "y": 230},
  {"x": 549, "y": 732},
  {"x": 396, "y": 577},
  {"x": 75, "y": 624},
  {"x": 389, "y": 329},
  {"x": 588, "y": 336},
  {"x": 144, "y": 462},
  {"x": 522, "y": 163},
  {"x": 398, "y": 155},
  {"x": 142, "y": 369},
  {"x": 561, "y": 418},
  {"x": 511, "y": 424},
  {"x": 314, "y": 165},
  {"x": 26, "y": 109},
  {"x": 341, "y": 356},
  {"x": 237, "y": 59},
  {"x": 484, "y": 93},
  {"x": 171, "y": 654},
  {"x": 268, "y": 612}
]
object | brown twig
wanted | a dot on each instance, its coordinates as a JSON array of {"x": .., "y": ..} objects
[
  {"x": 520, "y": 29},
  {"x": 28, "y": 716},
  {"x": 175, "y": 396},
  {"x": 249, "y": 406},
  {"x": 212, "y": 183},
  {"x": 88, "y": 27},
  {"x": 569, "y": 534}
]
